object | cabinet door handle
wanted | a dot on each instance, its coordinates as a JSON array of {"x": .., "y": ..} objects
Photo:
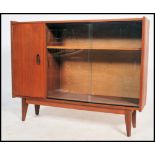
[{"x": 38, "y": 59}]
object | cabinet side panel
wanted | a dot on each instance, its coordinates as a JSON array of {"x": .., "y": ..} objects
[{"x": 144, "y": 62}]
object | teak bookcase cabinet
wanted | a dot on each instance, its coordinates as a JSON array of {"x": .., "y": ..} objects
[{"x": 96, "y": 65}]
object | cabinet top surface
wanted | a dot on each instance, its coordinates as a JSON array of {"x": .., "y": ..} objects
[{"x": 82, "y": 21}]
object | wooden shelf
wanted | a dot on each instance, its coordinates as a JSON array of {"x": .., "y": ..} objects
[
  {"x": 86, "y": 48},
  {"x": 94, "y": 98}
]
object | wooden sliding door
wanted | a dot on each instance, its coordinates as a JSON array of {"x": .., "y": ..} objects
[{"x": 28, "y": 59}]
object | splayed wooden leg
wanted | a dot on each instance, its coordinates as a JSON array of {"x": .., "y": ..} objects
[
  {"x": 134, "y": 119},
  {"x": 37, "y": 108},
  {"x": 128, "y": 118},
  {"x": 24, "y": 109}
]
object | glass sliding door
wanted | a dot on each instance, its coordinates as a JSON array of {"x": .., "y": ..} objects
[
  {"x": 68, "y": 47},
  {"x": 115, "y": 63},
  {"x": 96, "y": 62}
]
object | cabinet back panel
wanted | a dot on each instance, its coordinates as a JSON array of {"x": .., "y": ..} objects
[
  {"x": 100, "y": 43},
  {"x": 75, "y": 73},
  {"x": 107, "y": 73},
  {"x": 53, "y": 72},
  {"x": 116, "y": 74},
  {"x": 123, "y": 29}
]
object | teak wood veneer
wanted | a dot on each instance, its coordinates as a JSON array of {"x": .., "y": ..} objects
[{"x": 94, "y": 65}]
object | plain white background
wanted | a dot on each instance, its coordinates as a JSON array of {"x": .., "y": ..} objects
[
  {"x": 64, "y": 124},
  {"x": 85, "y": 6}
]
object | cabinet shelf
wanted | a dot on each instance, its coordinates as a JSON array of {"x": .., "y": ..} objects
[
  {"x": 95, "y": 98},
  {"x": 88, "y": 48}
]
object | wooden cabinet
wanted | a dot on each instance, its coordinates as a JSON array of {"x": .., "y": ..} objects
[{"x": 96, "y": 65}]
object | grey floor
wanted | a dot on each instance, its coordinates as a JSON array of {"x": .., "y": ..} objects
[{"x": 67, "y": 124}]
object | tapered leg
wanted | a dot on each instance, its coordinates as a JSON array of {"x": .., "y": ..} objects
[
  {"x": 134, "y": 119},
  {"x": 37, "y": 107},
  {"x": 24, "y": 109},
  {"x": 128, "y": 117}
]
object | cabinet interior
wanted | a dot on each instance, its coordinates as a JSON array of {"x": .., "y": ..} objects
[{"x": 94, "y": 62}]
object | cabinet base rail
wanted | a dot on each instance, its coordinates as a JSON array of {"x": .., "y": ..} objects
[{"x": 130, "y": 114}]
